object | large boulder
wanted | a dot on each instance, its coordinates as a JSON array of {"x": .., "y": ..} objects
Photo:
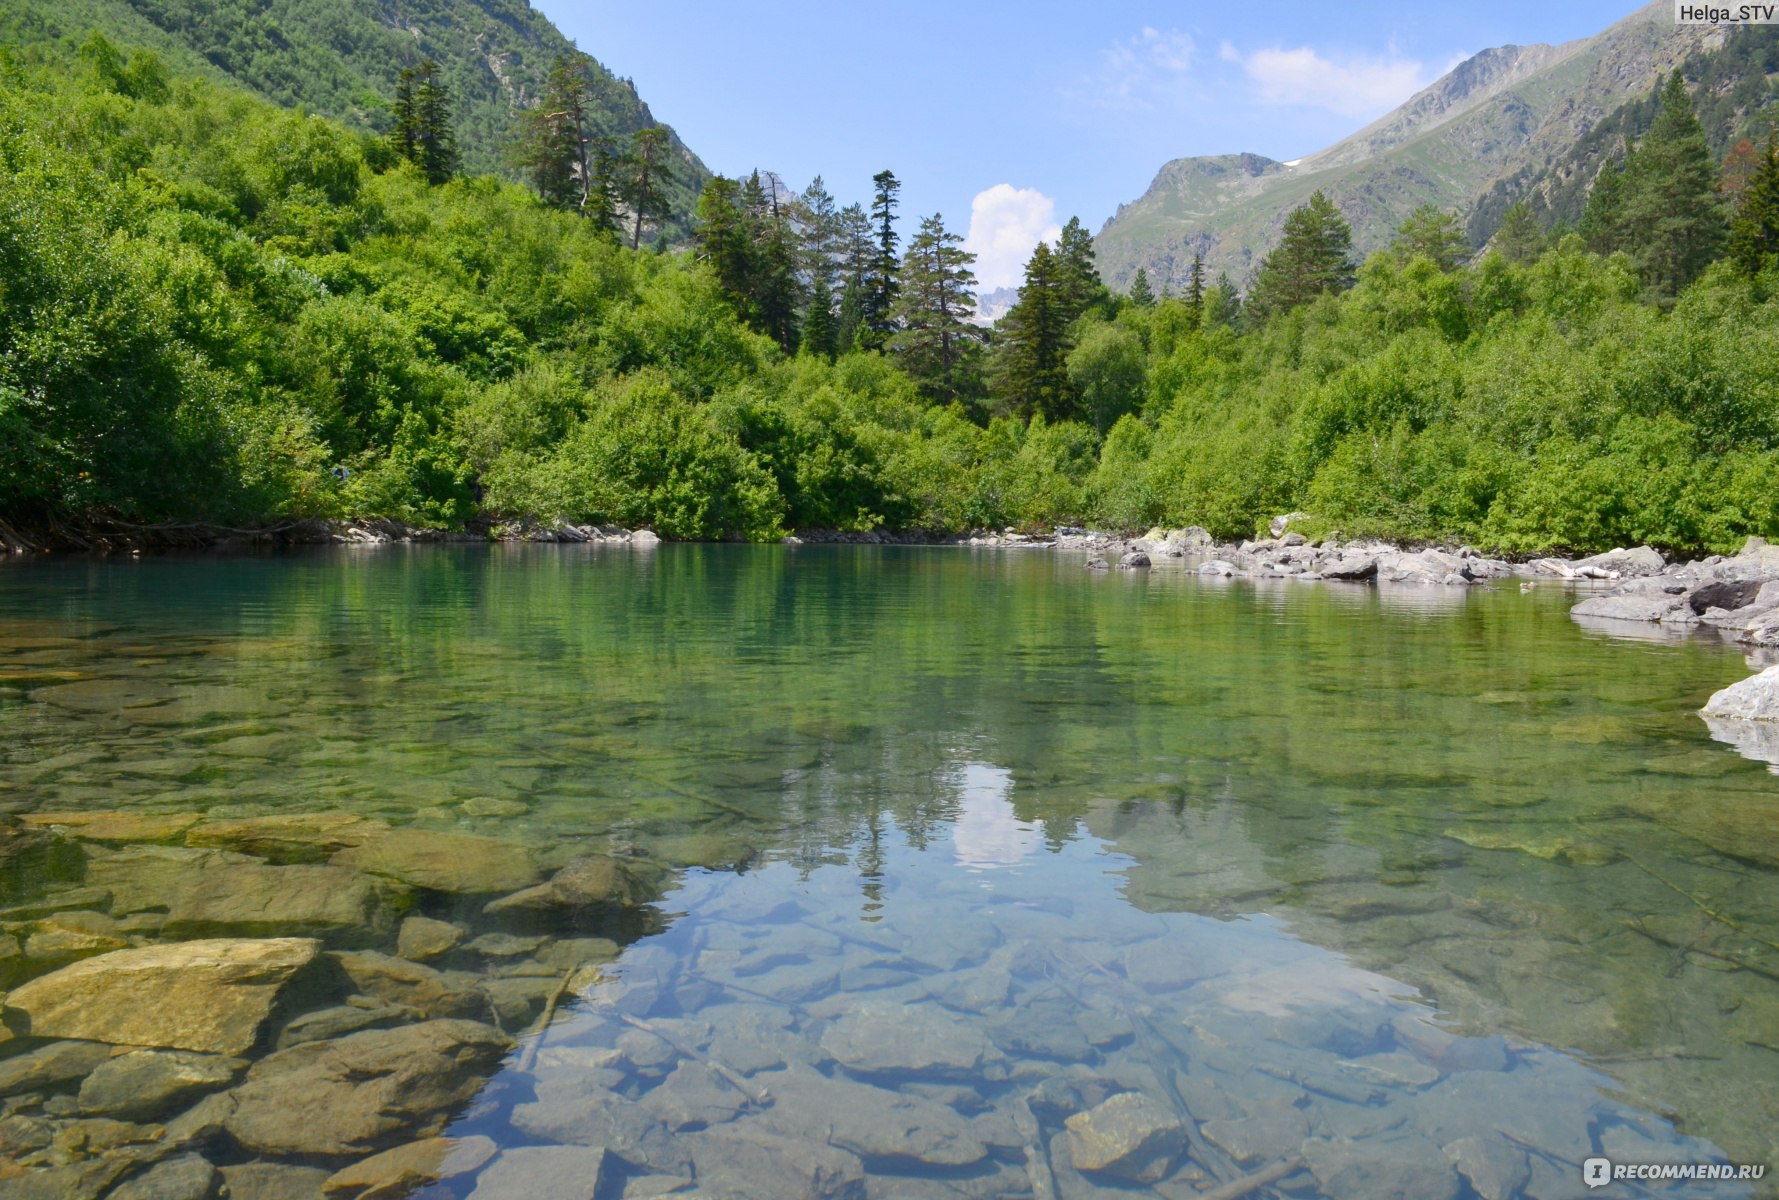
[
  {"x": 147, "y": 1084},
  {"x": 346, "y": 1098},
  {"x": 212, "y": 996},
  {"x": 1753, "y": 699}
]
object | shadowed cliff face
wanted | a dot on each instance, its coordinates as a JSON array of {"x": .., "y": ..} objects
[{"x": 1500, "y": 113}]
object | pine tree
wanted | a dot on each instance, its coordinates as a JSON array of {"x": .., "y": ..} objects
[
  {"x": 1140, "y": 293},
  {"x": 1314, "y": 257},
  {"x": 1222, "y": 304},
  {"x": 819, "y": 330},
  {"x": 772, "y": 257},
  {"x": 721, "y": 241},
  {"x": 818, "y": 223},
  {"x": 422, "y": 132},
  {"x": 601, "y": 204},
  {"x": 1195, "y": 290},
  {"x": 553, "y": 144},
  {"x": 1519, "y": 239},
  {"x": 880, "y": 294},
  {"x": 1602, "y": 221},
  {"x": 645, "y": 187},
  {"x": 1435, "y": 233},
  {"x": 1674, "y": 220},
  {"x": 1033, "y": 343},
  {"x": 1080, "y": 278},
  {"x": 1754, "y": 236},
  {"x": 934, "y": 341}
]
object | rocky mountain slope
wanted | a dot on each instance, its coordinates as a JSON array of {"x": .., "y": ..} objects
[
  {"x": 341, "y": 58},
  {"x": 1508, "y": 113}
]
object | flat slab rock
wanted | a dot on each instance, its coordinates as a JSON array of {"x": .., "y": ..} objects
[
  {"x": 211, "y": 996},
  {"x": 343, "y": 1098},
  {"x": 1131, "y": 1136},
  {"x": 444, "y": 862},
  {"x": 887, "y": 1039}
]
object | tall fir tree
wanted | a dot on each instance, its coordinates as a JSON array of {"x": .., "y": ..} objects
[
  {"x": 1519, "y": 240},
  {"x": 1195, "y": 290},
  {"x": 1032, "y": 344},
  {"x": 1141, "y": 294},
  {"x": 1673, "y": 217},
  {"x": 775, "y": 294},
  {"x": 880, "y": 294},
  {"x": 1435, "y": 233},
  {"x": 1313, "y": 258},
  {"x": 720, "y": 240},
  {"x": 553, "y": 140},
  {"x": 423, "y": 133},
  {"x": 1602, "y": 225},
  {"x": 934, "y": 341},
  {"x": 1082, "y": 288},
  {"x": 1222, "y": 304},
  {"x": 645, "y": 186},
  {"x": 818, "y": 227},
  {"x": 1754, "y": 235},
  {"x": 818, "y": 334}
]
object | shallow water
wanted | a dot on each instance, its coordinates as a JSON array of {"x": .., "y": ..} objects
[{"x": 944, "y": 848}]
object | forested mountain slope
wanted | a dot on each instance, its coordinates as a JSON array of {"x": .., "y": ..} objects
[{"x": 341, "y": 59}]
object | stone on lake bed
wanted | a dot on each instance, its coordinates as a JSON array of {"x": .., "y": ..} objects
[
  {"x": 742, "y": 1162},
  {"x": 412, "y": 1166},
  {"x": 1495, "y": 1169},
  {"x": 70, "y": 935},
  {"x": 212, "y": 996},
  {"x": 287, "y": 836},
  {"x": 422, "y": 938},
  {"x": 115, "y": 826},
  {"x": 182, "y": 1177},
  {"x": 323, "y": 1024},
  {"x": 444, "y": 862},
  {"x": 250, "y": 898},
  {"x": 273, "y": 1181},
  {"x": 886, "y": 1039},
  {"x": 398, "y": 981},
  {"x": 536, "y": 1172},
  {"x": 872, "y": 1122},
  {"x": 50, "y": 1066},
  {"x": 1131, "y": 1136},
  {"x": 343, "y": 1098},
  {"x": 1398, "y": 1164},
  {"x": 595, "y": 879},
  {"x": 145, "y": 1085}
]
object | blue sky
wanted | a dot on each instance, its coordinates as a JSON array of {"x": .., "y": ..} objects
[{"x": 1013, "y": 117}]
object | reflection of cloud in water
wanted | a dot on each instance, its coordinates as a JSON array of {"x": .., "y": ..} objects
[
  {"x": 1756, "y": 740},
  {"x": 1316, "y": 982},
  {"x": 986, "y": 833}
]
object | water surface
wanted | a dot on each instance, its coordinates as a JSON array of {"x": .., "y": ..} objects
[{"x": 1328, "y": 872}]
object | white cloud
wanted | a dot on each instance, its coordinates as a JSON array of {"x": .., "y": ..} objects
[
  {"x": 1350, "y": 85},
  {"x": 1139, "y": 72},
  {"x": 1006, "y": 225}
]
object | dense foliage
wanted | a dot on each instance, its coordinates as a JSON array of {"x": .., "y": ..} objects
[{"x": 212, "y": 308}]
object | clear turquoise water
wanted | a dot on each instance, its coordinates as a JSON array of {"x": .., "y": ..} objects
[{"x": 1239, "y": 834}]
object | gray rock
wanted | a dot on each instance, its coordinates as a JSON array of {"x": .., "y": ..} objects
[
  {"x": 745, "y": 1162},
  {"x": 422, "y": 938},
  {"x": 1097, "y": 564},
  {"x": 444, "y": 862},
  {"x": 182, "y": 1177},
  {"x": 211, "y": 996},
  {"x": 644, "y": 537},
  {"x": 50, "y": 1066},
  {"x": 1728, "y": 595},
  {"x": 536, "y": 1172},
  {"x": 1268, "y": 1136},
  {"x": 1130, "y": 1136},
  {"x": 1753, "y": 699},
  {"x": 872, "y": 1122},
  {"x": 921, "y": 1039},
  {"x": 146, "y": 1084},
  {"x": 594, "y": 880},
  {"x": 1217, "y": 566},
  {"x": 1136, "y": 560},
  {"x": 1496, "y": 1169},
  {"x": 1395, "y": 1165},
  {"x": 579, "y": 1110},
  {"x": 1627, "y": 564},
  {"x": 1352, "y": 569},
  {"x": 346, "y": 1097},
  {"x": 693, "y": 1097},
  {"x": 1623, "y": 606}
]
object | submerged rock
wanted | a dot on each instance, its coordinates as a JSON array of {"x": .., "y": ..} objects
[
  {"x": 343, "y": 1098},
  {"x": 444, "y": 862},
  {"x": 422, "y": 938},
  {"x": 883, "y": 1039},
  {"x": 533, "y": 1172},
  {"x": 182, "y": 1177},
  {"x": 414, "y": 1165},
  {"x": 744, "y": 1162},
  {"x": 1495, "y": 1169},
  {"x": 595, "y": 879},
  {"x": 1398, "y": 1164},
  {"x": 147, "y": 1084},
  {"x": 211, "y": 996},
  {"x": 287, "y": 837},
  {"x": 873, "y": 1122},
  {"x": 400, "y": 982},
  {"x": 249, "y": 898},
  {"x": 273, "y": 1181},
  {"x": 1131, "y": 1136},
  {"x": 115, "y": 826},
  {"x": 50, "y": 1066}
]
